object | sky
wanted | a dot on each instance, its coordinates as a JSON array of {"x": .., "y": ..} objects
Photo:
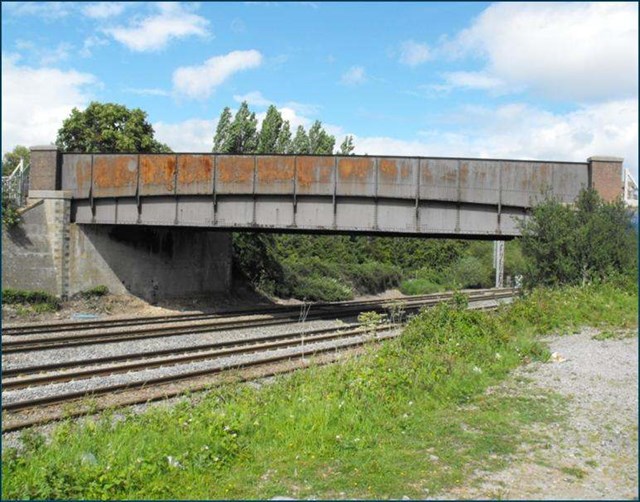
[{"x": 552, "y": 81}]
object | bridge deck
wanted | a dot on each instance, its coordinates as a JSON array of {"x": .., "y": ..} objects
[{"x": 399, "y": 195}]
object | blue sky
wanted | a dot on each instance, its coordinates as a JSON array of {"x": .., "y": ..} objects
[{"x": 514, "y": 80}]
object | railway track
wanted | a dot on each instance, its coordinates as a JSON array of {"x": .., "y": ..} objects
[
  {"x": 24, "y": 343},
  {"x": 59, "y": 326},
  {"x": 264, "y": 352}
]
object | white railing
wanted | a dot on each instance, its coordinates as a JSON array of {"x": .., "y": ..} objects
[
  {"x": 630, "y": 190},
  {"x": 16, "y": 185}
]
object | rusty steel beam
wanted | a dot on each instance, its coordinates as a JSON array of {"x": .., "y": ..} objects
[{"x": 382, "y": 194}]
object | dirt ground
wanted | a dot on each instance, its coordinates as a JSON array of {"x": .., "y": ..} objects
[{"x": 594, "y": 453}]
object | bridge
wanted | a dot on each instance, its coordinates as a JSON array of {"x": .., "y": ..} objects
[
  {"x": 159, "y": 225},
  {"x": 426, "y": 196}
]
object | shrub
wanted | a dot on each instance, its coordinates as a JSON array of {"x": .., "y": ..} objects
[
  {"x": 96, "y": 292},
  {"x": 470, "y": 272},
  {"x": 565, "y": 245},
  {"x": 17, "y": 296},
  {"x": 317, "y": 288},
  {"x": 419, "y": 287}
]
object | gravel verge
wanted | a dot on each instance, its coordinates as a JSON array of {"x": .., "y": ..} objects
[{"x": 593, "y": 455}]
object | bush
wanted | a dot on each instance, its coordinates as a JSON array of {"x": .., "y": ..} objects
[
  {"x": 470, "y": 272},
  {"x": 565, "y": 245},
  {"x": 96, "y": 292},
  {"x": 16, "y": 296},
  {"x": 10, "y": 214},
  {"x": 420, "y": 287},
  {"x": 317, "y": 288}
]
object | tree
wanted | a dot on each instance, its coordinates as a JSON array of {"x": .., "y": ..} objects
[
  {"x": 283, "y": 144},
  {"x": 221, "y": 140},
  {"x": 270, "y": 131},
  {"x": 573, "y": 245},
  {"x": 300, "y": 144},
  {"x": 347, "y": 146},
  {"x": 11, "y": 159},
  {"x": 243, "y": 136},
  {"x": 319, "y": 141},
  {"x": 108, "y": 127}
]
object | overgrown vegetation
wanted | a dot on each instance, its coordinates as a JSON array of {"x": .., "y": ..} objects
[
  {"x": 574, "y": 245},
  {"x": 10, "y": 212},
  {"x": 39, "y": 301},
  {"x": 95, "y": 292},
  {"x": 406, "y": 418}
]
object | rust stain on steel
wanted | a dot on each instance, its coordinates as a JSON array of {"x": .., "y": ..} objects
[
  {"x": 194, "y": 169},
  {"x": 274, "y": 169},
  {"x": 388, "y": 169},
  {"x": 312, "y": 170},
  {"x": 355, "y": 169},
  {"x": 83, "y": 175},
  {"x": 464, "y": 173},
  {"x": 235, "y": 169},
  {"x": 427, "y": 173},
  {"x": 114, "y": 171},
  {"x": 158, "y": 170}
]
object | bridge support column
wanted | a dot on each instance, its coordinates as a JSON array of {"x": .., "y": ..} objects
[
  {"x": 498, "y": 262},
  {"x": 605, "y": 175}
]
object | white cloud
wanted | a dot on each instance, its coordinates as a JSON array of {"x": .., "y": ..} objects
[
  {"x": 154, "y": 32},
  {"x": 35, "y": 101},
  {"x": 193, "y": 135},
  {"x": 578, "y": 51},
  {"x": 414, "y": 53},
  {"x": 200, "y": 81},
  {"x": 473, "y": 80},
  {"x": 354, "y": 76},
  {"x": 103, "y": 10},
  {"x": 255, "y": 98},
  {"x": 525, "y": 132},
  {"x": 50, "y": 11},
  {"x": 147, "y": 91},
  {"x": 90, "y": 43}
]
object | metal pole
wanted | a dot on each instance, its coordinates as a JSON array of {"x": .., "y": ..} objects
[{"x": 498, "y": 262}]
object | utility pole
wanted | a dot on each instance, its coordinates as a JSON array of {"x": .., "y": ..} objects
[{"x": 498, "y": 262}]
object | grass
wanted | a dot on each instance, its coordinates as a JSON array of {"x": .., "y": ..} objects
[
  {"x": 30, "y": 301},
  {"x": 403, "y": 418}
]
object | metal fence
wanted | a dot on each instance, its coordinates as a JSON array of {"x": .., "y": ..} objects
[{"x": 16, "y": 186}]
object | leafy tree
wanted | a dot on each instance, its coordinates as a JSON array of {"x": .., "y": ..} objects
[
  {"x": 572, "y": 245},
  {"x": 319, "y": 141},
  {"x": 300, "y": 144},
  {"x": 11, "y": 159},
  {"x": 283, "y": 144},
  {"x": 347, "y": 146},
  {"x": 243, "y": 136},
  {"x": 221, "y": 140},
  {"x": 108, "y": 127},
  {"x": 270, "y": 131}
]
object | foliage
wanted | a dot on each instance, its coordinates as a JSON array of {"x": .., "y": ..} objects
[
  {"x": 108, "y": 127},
  {"x": 362, "y": 428},
  {"x": 320, "y": 142},
  {"x": 17, "y": 296},
  {"x": 10, "y": 160},
  {"x": 10, "y": 212},
  {"x": 347, "y": 146},
  {"x": 222, "y": 140},
  {"x": 565, "y": 245},
  {"x": 300, "y": 144},
  {"x": 95, "y": 292}
]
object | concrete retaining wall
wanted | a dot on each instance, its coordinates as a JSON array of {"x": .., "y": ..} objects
[{"x": 46, "y": 252}]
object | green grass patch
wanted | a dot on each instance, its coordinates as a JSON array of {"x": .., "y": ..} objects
[
  {"x": 96, "y": 292},
  {"x": 403, "y": 418},
  {"x": 38, "y": 301}
]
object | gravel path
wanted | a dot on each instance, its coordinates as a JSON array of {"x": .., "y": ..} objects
[{"x": 594, "y": 454}]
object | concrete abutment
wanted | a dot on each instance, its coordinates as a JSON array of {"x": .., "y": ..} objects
[{"x": 47, "y": 252}]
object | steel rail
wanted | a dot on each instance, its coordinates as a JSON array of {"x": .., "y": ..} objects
[
  {"x": 221, "y": 349},
  {"x": 50, "y": 343},
  {"x": 53, "y": 327}
]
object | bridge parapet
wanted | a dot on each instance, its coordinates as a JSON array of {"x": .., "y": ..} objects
[{"x": 375, "y": 194}]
